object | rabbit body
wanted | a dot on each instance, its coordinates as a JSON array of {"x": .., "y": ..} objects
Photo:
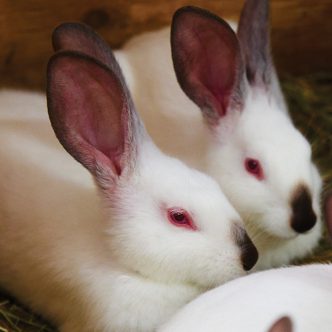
[
  {"x": 254, "y": 302},
  {"x": 261, "y": 130},
  {"x": 105, "y": 258},
  {"x": 53, "y": 254}
]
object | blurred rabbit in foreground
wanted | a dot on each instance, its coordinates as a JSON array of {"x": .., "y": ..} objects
[{"x": 252, "y": 303}]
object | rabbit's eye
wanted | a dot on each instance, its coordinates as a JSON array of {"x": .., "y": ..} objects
[
  {"x": 254, "y": 167},
  {"x": 181, "y": 218}
]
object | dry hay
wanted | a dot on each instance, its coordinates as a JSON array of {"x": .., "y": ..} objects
[
  {"x": 15, "y": 318},
  {"x": 310, "y": 100}
]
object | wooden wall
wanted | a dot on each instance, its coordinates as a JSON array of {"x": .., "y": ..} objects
[{"x": 301, "y": 30}]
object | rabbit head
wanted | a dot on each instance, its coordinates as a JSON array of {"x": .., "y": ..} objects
[
  {"x": 253, "y": 302},
  {"x": 164, "y": 220},
  {"x": 261, "y": 160}
]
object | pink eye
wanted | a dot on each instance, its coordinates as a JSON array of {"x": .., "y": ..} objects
[
  {"x": 181, "y": 218},
  {"x": 254, "y": 167}
]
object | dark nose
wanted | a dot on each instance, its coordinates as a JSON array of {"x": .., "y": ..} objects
[
  {"x": 303, "y": 217},
  {"x": 249, "y": 253}
]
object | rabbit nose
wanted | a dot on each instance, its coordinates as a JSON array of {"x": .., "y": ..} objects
[
  {"x": 249, "y": 253},
  {"x": 303, "y": 217}
]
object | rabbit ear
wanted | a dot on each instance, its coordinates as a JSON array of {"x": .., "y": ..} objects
[
  {"x": 207, "y": 61},
  {"x": 283, "y": 324},
  {"x": 81, "y": 38},
  {"x": 328, "y": 212},
  {"x": 92, "y": 114},
  {"x": 254, "y": 37}
]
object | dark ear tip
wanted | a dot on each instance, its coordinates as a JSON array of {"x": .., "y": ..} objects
[
  {"x": 71, "y": 26},
  {"x": 192, "y": 11},
  {"x": 66, "y": 28},
  {"x": 58, "y": 32},
  {"x": 187, "y": 9},
  {"x": 180, "y": 12}
]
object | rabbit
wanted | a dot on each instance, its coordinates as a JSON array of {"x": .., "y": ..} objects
[
  {"x": 228, "y": 119},
  {"x": 252, "y": 303},
  {"x": 121, "y": 250}
]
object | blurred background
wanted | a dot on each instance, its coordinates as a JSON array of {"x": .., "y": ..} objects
[{"x": 301, "y": 30}]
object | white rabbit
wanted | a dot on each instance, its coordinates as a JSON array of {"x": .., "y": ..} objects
[
  {"x": 162, "y": 234},
  {"x": 252, "y": 303},
  {"x": 245, "y": 138}
]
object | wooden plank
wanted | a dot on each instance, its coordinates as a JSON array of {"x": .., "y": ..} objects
[{"x": 301, "y": 30}]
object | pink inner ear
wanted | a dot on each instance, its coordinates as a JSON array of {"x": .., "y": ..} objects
[
  {"x": 206, "y": 58},
  {"x": 87, "y": 107},
  {"x": 216, "y": 77}
]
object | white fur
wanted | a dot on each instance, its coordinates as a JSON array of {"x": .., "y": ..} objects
[
  {"x": 262, "y": 130},
  {"x": 118, "y": 265},
  {"x": 254, "y": 302}
]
